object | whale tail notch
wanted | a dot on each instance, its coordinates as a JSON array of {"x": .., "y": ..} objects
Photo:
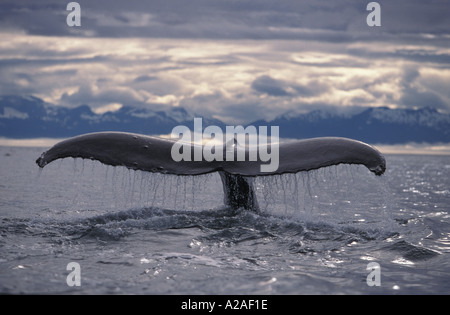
[{"x": 153, "y": 154}]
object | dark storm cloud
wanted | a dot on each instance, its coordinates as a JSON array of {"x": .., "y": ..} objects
[
  {"x": 412, "y": 54},
  {"x": 266, "y": 84},
  {"x": 413, "y": 96},
  {"x": 340, "y": 20},
  {"x": 14, "y": 62},
  {"x": 144, "y": 78},
  {"x": 273, "y": 87}
]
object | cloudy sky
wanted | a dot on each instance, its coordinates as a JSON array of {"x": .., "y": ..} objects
[{"x": 236, "y": 60}]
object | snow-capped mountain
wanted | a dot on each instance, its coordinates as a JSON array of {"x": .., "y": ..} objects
[
  {"x": 30, "y": 117},
  {"x": 373, "y": 125}
]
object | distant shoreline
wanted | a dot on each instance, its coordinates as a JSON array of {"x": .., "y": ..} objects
[
  {"x": 408, "y": 148},
  {"x": 415, "y": 148}
]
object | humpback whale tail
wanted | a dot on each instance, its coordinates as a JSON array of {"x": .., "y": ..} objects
[{"x": 153, "y": 154}]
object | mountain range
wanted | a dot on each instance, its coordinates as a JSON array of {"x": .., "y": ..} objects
[{"x": 31, "y": 117}]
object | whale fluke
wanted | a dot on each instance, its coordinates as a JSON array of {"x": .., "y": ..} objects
[{"x": 153, "y": 154}]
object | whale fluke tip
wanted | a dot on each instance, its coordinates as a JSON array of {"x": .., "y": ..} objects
[
  {"x": 41, "y": 161},
  {"x": 380, "y": 169}
]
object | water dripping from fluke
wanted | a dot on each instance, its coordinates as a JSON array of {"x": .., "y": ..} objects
[{"x": 125, "y": 149}]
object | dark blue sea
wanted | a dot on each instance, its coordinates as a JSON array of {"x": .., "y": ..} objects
[{"x": 131, "y": 232}]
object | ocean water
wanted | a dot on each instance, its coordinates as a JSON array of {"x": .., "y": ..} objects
[{"x": 132, "y": 232}]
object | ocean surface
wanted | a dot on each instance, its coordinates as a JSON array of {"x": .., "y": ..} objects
[{"x": 131, "y": 232}]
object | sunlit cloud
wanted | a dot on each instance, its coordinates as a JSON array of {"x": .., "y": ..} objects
[{"x": 108, "y": 108}]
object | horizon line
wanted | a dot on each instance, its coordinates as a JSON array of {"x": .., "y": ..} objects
[{"x": 410, "y": 148}]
